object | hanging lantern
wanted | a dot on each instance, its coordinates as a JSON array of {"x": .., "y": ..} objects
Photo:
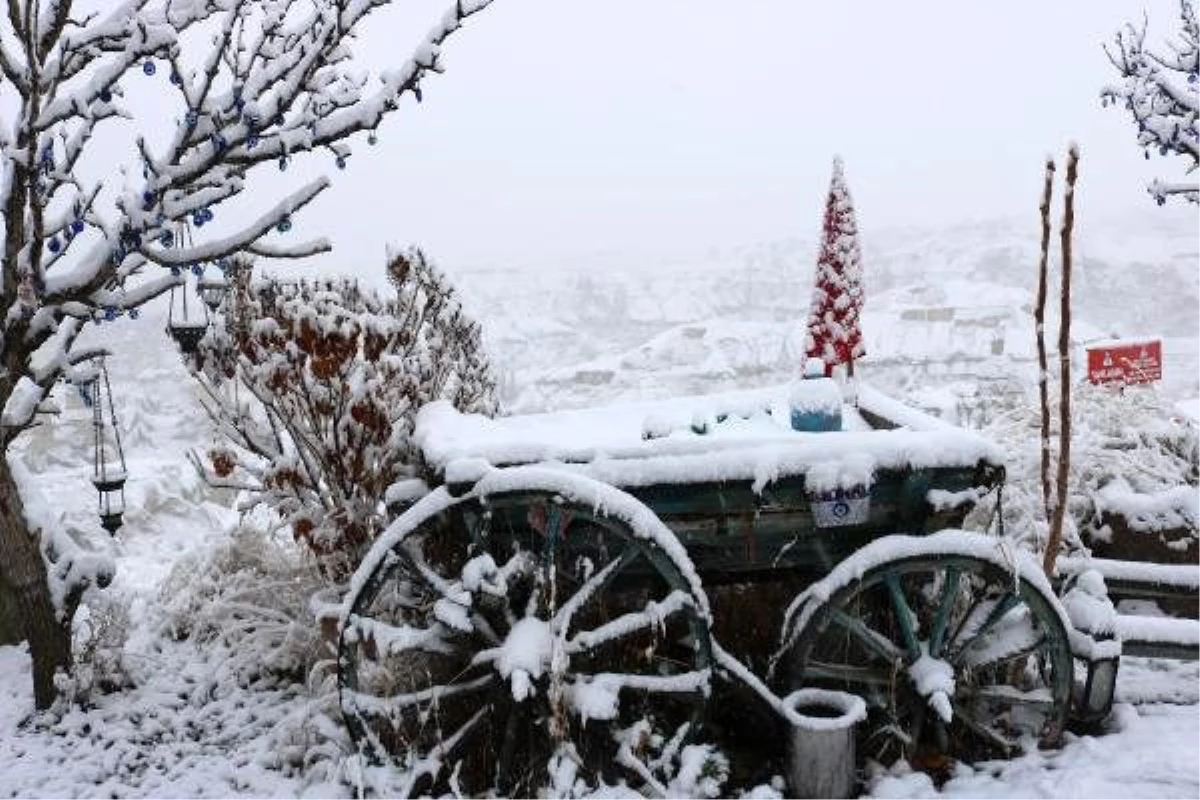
[
  {"x": 108, "y": 466},
  {"x": 183, "y": 324},
  {"x": 212, "y": 290}
]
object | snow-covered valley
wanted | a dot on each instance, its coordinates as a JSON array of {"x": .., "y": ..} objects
[{"x": 948, "y": 327}]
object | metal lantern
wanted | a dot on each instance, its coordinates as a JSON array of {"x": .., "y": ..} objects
[
  {"x": 108, "y": 466},
  {"x": 1094, "y": 694},
  {"x": 212, "y": 290},
  {"x": 185, "y": 328}
]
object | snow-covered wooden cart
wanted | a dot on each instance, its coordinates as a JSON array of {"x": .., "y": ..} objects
[{"x": 582, "y": 588}]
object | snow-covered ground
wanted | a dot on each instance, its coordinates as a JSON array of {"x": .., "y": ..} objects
[{"x": 947, "y": 326}]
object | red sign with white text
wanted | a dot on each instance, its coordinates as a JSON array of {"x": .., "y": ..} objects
[{"x": 1125, "y": 362}]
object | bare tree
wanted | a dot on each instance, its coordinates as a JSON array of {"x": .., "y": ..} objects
[{"x": 245, "y": 85}]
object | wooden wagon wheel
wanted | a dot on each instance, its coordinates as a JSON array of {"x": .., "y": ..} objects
[
  {"x": 957, "y": 654},
  {"x": 511, "y": 629}
]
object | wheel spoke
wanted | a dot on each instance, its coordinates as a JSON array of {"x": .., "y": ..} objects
[
  {"x": 873, "y": 640},
  {"x": 448, "y": 745},
  {"x": 985, "y": 732},
  {"x": 450, "y": 590},
  {"x": 942, "y": 617},
  {"x": 562, "y": 619},
  {"x": 682, "y": 683},
  {"x": 1002, "y": 648},
  {"x": 653, "y": 615},
  {"x": 904, "y": 616},
  {"x": 388, "y": 639},
  {"x": 1040, "y": 697},
  {"x": 997, "y": 612},
  {"x": 390, "y": 704},
  {"x": 504, "y": 764},
  {"x": 867, "y": 676}
]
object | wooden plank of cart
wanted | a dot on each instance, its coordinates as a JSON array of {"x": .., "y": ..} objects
[{"x": 575, "y": 594}]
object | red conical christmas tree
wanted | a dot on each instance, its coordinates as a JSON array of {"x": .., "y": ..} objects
[{"x": 834, "y": 335}]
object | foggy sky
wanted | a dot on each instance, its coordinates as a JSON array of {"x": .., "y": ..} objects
[{"x": 649, "y": 128}]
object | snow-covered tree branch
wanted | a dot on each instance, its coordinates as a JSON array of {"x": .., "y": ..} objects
[
  {"x": 1159, "y": 90},
  {"x": 91, "y": 230}
]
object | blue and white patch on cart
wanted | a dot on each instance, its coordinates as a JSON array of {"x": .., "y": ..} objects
[{"x": 840, "y": 507}]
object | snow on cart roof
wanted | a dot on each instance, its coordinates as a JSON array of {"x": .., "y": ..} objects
[{"x": 705, "y": 438}]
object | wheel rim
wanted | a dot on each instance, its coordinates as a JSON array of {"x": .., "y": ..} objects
[
  {"x": 502, "y": 633},
  {"x": 953, "y": 657}
]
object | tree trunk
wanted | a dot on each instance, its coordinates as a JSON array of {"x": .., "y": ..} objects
[
  {"x": 10, "y": 631},
  {"x": 23, "y": 575}
]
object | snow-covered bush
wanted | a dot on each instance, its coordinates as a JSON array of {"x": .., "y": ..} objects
[
  {"x": 100, "y": 633},
  {"x": 248, "y": 599},
  {"x": 1122, "y": 439},
  {"x": 315, "y": 385}
]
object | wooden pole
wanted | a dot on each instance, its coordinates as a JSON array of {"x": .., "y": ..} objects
[
  {"x": 1039, "y": 316},
  {"x": 1064, "y": 360}
]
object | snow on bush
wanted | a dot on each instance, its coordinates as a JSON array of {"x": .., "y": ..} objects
[
  {"x": 99, "y": 636},
  {"x": 248, "y": 602},
  {"x": 247, "y": 598},
  {"x": 314, "y": 387},
  {"x": 1130, "y": 453}
]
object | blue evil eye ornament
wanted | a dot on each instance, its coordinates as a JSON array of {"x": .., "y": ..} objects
[
  {"x": 197, "y": 270},
  {"x": 341, "y": 162},
  {"x": 134, "y": 313},
  {"x": 77, "y": 226},
  {"x": 54, "y": 245},
  {"x": 148, "y": 68},
  {"x": 166, "y": 238},
  {"x": 284, "y": 225}
]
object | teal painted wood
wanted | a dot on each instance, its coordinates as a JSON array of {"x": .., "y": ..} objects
[
  {"x": 729, "y": 530},
  {"x": 903, "y": 615},
  {"x": 938, "y": 637}
]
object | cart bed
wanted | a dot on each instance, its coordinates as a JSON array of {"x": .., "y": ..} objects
[{"x": 743, "y": 492}]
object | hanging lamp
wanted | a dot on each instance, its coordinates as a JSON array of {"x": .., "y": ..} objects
[
  {"x": 108, "y": 466},
  {"x": 185, "y": 327},
  {"x": 212, "y": 290}
]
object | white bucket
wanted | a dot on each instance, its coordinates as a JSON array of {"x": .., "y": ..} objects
[{"x": 820, "y": 748}]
